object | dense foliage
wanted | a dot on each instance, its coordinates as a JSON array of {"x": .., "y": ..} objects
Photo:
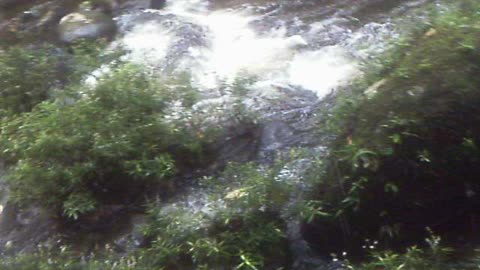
[
  {"x": 241, "y": 228},
  {"x": 26, "y": 77},
  {"x": 407, "y": 154},
  {"x": 403, "y": 167},
  {"x": 112, "y": 139},
  {"x": 29, "y": 76}
]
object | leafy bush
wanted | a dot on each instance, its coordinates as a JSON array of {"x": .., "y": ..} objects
[
  {"x": 244, "y": 231},
  {"x": 407, "y": 153},
  {"x": 115, "y": 137},
  {"x": 28, "y": 75},
  {"x": 434, "y": 257},
  {"x": 66, "y": 259},
  {"x": 208, "y": 250}
]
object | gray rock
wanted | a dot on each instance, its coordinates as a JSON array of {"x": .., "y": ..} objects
[
  {"x": 11, "y": 3},
  {"x": 157, "y": 4},
  {"x": 21, "y": 230},
  {"x": 85, "y": 24}
]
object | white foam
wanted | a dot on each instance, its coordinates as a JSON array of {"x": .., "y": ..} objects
[
  {"x": 147, "y": 43},
  {"x": 323, "y": 70},
  {"x": 235, "y": 49}
]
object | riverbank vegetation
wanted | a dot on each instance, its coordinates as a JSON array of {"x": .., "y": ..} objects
[
  {"x": 33, "y": 74},
  {"x": 407, "y": 157},
  {"x": 398, "y": 190},
  {"x": 112, "y": 138},
  {"x": 68, "y": 143}
]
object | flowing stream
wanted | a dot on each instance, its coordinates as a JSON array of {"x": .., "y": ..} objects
[{"x": 290, "y": 56}]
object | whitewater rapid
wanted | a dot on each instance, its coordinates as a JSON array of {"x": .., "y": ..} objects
[{"x": 218, "y": 47}]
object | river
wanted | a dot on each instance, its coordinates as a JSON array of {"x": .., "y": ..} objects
[{"x": 289, "y": 57}]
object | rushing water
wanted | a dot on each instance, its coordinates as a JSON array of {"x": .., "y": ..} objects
[
  {"x": 313, "y": 45},
  {"x": 219, "y": 46},
  {"x": 294, "y": 53}
]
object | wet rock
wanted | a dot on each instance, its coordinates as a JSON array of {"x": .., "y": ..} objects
[
  {"x": 31, "y": 24},
  {"x": 240, "y": 144},
  {"x": 134, "y": 238},
  {"x": 102, "y": 219},
  {"x": 86, "y": 25},
  {"x": 105, "y": 6},
  {"x": 11, "y": 3},
  {"x": 21, "y": 230},
  {"x": 30, "y": 15},
  {"x": 275, "y": 135},
  {"x": 157, "y": 4}
]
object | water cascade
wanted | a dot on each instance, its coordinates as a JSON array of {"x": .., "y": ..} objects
[
  {"x": 290, "y": 55},
  {"x": 297, "y": 53}
]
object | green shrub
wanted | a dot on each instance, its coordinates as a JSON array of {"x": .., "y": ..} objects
[
  {"x": 244, "y": 231},
  {"x": 407, "y": 155},
  {"x": 66, "y": 259},
  {"x": 113, "y": 138},
  {"x": 208, "y": 253},
  {"x": 29, "y": 75},
  {"x": 433, "y": 257},
  {"x": 26, "y": 76}
]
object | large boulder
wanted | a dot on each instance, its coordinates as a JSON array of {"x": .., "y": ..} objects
[{"x": 91, "y": 24}]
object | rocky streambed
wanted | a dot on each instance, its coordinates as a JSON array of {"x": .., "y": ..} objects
[{"x": 290, "y": 56}]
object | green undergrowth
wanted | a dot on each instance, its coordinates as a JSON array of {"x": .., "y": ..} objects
[
  {"x": 433, "y": 256},
  {"x": 406, "y": 156},
  {"x": 238, "y": 227},
  {"x": 30, "y": 75},
  {"x": 71, "y": 153},
  {"x": 229, "y": 249}
]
